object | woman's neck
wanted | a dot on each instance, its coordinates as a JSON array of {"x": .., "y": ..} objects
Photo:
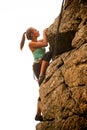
[{"x": 34, "y": 39}]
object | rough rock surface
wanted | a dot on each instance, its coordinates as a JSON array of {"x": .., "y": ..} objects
[{"x": 64, "y": 90}]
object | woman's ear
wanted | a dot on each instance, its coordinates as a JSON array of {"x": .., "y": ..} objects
[{"x": 32, "y": 34}]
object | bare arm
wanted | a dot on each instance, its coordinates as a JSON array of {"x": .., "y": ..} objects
[{"x": 40, "y": 43}]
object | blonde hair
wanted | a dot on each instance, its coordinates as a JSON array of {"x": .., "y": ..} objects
[{"x": 28, "y": 35}]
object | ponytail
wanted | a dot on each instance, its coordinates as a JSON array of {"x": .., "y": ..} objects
[{"x": 22, "y": 41}]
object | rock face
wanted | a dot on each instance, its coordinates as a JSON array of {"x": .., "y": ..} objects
[{"x": 64, "y": 90}]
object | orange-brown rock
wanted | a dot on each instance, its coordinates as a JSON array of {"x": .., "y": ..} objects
[{"x": 64, "y": 90}]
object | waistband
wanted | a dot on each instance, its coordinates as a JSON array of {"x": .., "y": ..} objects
[{"x": 38, "y": 60}]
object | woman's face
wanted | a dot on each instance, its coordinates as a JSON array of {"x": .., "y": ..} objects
[{"x": 35, "y": 32}]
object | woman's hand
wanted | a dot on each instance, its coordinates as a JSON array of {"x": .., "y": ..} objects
[
  {"x": 41, "y": 43},
  {"x": 44, "y": 35},
  {"x": 44, "y": 31}
]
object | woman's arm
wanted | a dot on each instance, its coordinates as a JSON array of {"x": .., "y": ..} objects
[{"x": 40, "y": 43}]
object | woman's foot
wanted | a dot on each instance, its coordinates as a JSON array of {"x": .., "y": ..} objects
[
  {"x": 41, "y": 78},
  {"x": 38, "y": 118}
]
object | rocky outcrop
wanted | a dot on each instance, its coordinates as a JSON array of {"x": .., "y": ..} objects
[{"x": 64, "y": 90}]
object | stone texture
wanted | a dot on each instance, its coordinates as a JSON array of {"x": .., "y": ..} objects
[{"x": 64, "y": 90}]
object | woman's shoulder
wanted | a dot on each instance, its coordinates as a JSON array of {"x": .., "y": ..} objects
[{"x": 31, "y": 47}]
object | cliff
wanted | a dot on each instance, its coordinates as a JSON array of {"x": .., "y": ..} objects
[{"x": 64, "y": 90}]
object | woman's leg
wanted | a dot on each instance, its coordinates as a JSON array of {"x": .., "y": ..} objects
[
  {"x": 38, "y": 107},
  {"x": 36, "y": 69},
  {"x": 38, "y": 116},
  {"x": 45, "y": 62},
  {"x": 43, "y": 67}
]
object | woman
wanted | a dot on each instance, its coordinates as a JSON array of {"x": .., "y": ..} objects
[{"x": 41, "y": 59}]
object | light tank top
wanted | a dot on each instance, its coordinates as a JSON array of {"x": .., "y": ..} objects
[{"x": 38, "y": 54}]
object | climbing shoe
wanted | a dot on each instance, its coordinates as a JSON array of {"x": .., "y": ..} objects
[
  {"x": 38, "y": 118},
  {"x": 41, "y": 78}
]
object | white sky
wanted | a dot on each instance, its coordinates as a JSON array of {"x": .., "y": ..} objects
[{"x": 18, "y": 90}]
